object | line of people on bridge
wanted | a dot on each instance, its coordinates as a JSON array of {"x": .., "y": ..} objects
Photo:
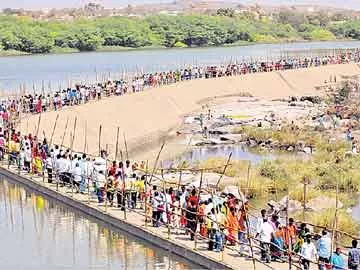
[
  {"x": 39, "y": 101},
  {"x": 222, "y": 219}
]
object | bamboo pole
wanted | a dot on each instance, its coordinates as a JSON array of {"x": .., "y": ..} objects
[
  {"x": 225, "y": 167},
  {"x": 123, "y": 192},
  {"x": 63, "y": 137},
  {"x": 85, "y": 141},
  {"x": 73, "y": 134},
  {"x": 117, "y": 143},
  {"x": 304, "y": 204},
  {"x": 9, "y": 154},
  {"x": 248, "y": 179},
  {"x": 126, "y": 147},
  {"x": 248, "y": 229},
  {"x": 21, "y": 108},
  {"x": 53, "y": 131},
  {"x": 100, "y": 128},
  {"x": 287, "y": 226},
  {"x": 197, "y": 209},
  {"x": 180, "y": 176},
  {"x": 334, "y": 229},
  {"x": 215, "y": 206},
  {"x": 106, "y": 176},
  {"x": 166, "y": 211},
  {"x": 72, "y": 178},
  {"x": 88, "y": 181},
  {"x": 156, "y": 161},
  {"x": 162, "y": 170},
  {"x": 145, "y": 198}
]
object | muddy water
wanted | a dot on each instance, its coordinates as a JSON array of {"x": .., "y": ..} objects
[
  {"x": 38, "y": 234},
  {"x": 62, "y": 69}
]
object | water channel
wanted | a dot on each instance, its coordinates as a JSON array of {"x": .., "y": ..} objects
[
  {"x": 37, "y": 233},
  {"x": 59, "y": 69}
]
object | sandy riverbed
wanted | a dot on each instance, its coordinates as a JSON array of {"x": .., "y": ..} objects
[{"x": 148, "y": 117}]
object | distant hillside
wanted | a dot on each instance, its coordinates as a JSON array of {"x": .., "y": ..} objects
[
  {"x": 36, "y": 4},
  {"x": 350, "y": 4}
]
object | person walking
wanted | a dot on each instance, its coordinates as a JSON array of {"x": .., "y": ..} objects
[
  {"x": 324, "y": 250},
  {"x": 354, "y": 256},
  {"x": 266, "y": 233},
  {"x": 337, "y": 261},
  {"x": 308, "y": 253},
  {"x": 191, "y": 218}
]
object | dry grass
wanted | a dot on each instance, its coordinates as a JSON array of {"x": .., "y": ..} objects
[
  {"x": 236, "y": 167},
  {"x": 286, "y": 136},
  {"x": 345, "y": 223}
]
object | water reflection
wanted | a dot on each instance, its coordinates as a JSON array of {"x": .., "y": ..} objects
[
  {"x": 239, "y": 152},
  {"x": 356, "y": 211},
  {"x": 38, "y": 234}
]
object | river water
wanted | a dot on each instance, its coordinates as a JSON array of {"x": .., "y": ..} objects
[
  {"x": 37, "y": 233},
  {"x": 62, "y": 69}
]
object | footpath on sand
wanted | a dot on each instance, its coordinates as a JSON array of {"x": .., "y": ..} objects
[
  {"x": 133, "y": 222},
  {"x": 147, "y": 117}
]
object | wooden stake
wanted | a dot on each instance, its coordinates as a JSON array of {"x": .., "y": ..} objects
[
  {"x": 225, "y": 167},
  {"x": 156, "y": 161},
  {"x": 197, "y": 209},
  {"x": 106, "y": 178},
  {"x": 63, "y": 137},
  {"x": 117, "y": 143},
  {"x": 100, "y": 140},
  {"x": 126, "y": 148},
  {"x": 85, "y": 141},
  {"x": 287, "y": 226},
  {"x": 180, "y": 175},
  {"x": 73, "y": 134},
  {"x": 53, "y": 131},
  {"x": 248, "y": 179},
  {"x": 304, "y": 204},
  {"x": 247, "y": 229},
  {"x": 145, "y": 198},
  {"x": 72, "y": 178},
  {"x": 334, "y": 229}
]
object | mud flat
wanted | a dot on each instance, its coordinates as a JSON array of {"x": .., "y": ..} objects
[{"x": 147, "y": 118}]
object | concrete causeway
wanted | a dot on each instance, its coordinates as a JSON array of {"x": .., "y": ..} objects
[{"x": 134, "y": 224}]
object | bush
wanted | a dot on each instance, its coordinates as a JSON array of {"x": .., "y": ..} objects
[{"x": 322, "y": 35}]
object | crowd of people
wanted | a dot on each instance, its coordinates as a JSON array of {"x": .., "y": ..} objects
[
  {"x": 222, "y": 219},
  {"x": 83, "y": 93}
]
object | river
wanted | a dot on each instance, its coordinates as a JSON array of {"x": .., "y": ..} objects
[
  {"x": 37, "y": 233},
  {"x": 60, "y": 69}
]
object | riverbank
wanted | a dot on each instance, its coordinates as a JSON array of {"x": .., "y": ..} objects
[
  {"x": 43, "y": 36},
  {"x": 240, "y": 44}
]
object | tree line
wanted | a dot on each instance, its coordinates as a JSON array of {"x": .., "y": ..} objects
[{"x": 33, "y": 36}]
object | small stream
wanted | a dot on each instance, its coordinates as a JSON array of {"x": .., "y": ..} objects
[
  {"x": 239, "y": 152},
  {"x": 356, "y": 212}
]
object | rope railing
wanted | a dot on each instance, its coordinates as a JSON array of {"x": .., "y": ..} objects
[
  {"x": 196, "y": 170},
  {"x": 170, "y": 226}
]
